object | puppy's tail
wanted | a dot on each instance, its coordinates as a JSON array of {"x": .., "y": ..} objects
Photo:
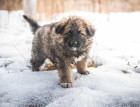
[{"x": 33, "y": 24}]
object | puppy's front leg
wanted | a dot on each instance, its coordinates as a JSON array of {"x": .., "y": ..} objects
[
  {"x": 82, "y": 66},
  {"x": 65, "y": 74}
]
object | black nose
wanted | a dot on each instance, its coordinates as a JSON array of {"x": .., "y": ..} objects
[{"x": 72, "y": 44}]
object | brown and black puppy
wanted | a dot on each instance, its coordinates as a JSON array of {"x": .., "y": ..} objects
[{"x": 64, "y": 42}]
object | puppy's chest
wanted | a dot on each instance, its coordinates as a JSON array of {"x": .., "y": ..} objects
[{"x": 76, "y": 59}]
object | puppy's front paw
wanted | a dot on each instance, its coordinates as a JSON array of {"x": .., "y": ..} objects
[
  {"x": 85, "y": 73},
  {"x": 66, "y": 85}
]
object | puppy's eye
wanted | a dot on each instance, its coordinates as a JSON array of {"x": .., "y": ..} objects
[{"x": 80, "y": 34}]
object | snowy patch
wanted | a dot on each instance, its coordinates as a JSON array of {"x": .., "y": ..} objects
[{"x": 115, "y": 83}]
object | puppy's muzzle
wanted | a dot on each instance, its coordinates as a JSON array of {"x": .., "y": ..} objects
[{"x": 73, "y": 45}]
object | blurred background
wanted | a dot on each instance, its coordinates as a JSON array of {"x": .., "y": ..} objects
[{"x": 47, "y": 9}]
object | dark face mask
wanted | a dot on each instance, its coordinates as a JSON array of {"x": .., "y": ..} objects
[{"x": 73, "y": 40}]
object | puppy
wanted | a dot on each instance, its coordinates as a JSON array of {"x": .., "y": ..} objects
[{"x": 65, "y": 42}]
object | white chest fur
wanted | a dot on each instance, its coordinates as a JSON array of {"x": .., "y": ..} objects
[{"x": 79, "y": 58}]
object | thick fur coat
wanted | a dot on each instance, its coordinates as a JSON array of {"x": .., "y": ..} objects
[{"x": 64, "y": 42}]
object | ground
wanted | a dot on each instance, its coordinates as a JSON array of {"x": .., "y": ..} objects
[{"x": 115, "y": 82}]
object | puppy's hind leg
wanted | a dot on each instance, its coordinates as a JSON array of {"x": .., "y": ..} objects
[
  {"x": 37, "y": 59},
  {"x": 36, "y": 63}
]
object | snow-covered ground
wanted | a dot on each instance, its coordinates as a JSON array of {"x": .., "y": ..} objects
[{"x": 115, "y": 83}]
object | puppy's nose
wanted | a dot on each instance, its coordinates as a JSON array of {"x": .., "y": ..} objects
[{"x": 74, "y": 44}]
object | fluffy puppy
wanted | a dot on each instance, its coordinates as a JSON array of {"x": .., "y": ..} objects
[{"x": 65, "y": 42}]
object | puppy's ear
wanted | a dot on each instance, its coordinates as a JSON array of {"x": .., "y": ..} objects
[
  {"x": 90, "y": 30},
  {"x": 60, "y": 28}
]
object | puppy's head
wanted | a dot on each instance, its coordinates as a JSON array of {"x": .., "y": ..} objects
[{"x": 76, "y": 32}]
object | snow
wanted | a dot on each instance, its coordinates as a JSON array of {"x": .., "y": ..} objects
[{"x": 115, "y": 49}]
